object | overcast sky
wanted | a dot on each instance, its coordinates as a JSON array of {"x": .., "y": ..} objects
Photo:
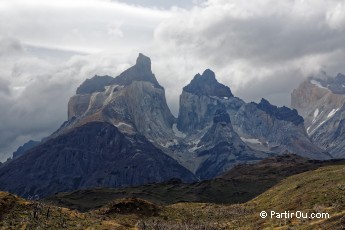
[{"x": 261, "y": 48}]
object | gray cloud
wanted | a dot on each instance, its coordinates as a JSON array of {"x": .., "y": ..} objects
[{"x": 261, "y": 48}]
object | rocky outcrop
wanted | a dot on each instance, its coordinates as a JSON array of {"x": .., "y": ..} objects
[
  {"x": 24, "y": 148},
  {"x": 95, "y": 84},
  {"x": 199, "y": 101},
  {"x": 321, "y": 102},
  {"x": 207, "y": 85},
  {"x": 281, "y": 113},
  {"x": 94, "y": 155}
]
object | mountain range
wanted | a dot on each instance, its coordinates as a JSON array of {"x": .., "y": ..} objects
[
  {"x": 320, "y": 100},
  {"x": 120, "y": 132}
]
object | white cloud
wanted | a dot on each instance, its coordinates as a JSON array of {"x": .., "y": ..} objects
[
  {"x": 336, "y": 17},
  {"x": 79, "y": 25}
]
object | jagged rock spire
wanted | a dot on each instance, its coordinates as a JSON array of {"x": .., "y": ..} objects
[
  {"x": 141, "y": 71},
  {"x": 207, "y": 85}
]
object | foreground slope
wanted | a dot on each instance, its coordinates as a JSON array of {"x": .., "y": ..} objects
[{"x": 318, "y": 191}]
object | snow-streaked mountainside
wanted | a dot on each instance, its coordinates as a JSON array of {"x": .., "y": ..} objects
[
  {"x": 320, "y": 100},
  {"x": 120, "y": 132}
]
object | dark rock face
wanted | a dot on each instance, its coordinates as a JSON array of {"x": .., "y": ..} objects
[
  {"x": 221, "y": 116},
  {"x": 141, "y": 71},
  {"x": 95, "y": 84},
  {"x": 223, "y": 148},
  {"x": 281, "y": 113},
  {"x": 24, "y": 148},
  {"x": 223, "y": 157},
  {"x": 94, "y": 155},
  {"x": 206, "y": 84}
]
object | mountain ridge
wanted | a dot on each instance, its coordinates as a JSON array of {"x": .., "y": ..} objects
[{"x": 125, "y": 121}]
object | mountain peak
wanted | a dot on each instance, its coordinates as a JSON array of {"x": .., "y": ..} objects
[
  {"x": 209, "y": 74},
  {"x": 143, "y": 61},
  {"x": 207, "y": 85},
  {"x": 141, "y": 71}
]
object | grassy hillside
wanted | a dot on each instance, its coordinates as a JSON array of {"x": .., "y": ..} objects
[
  {"x": 322, "y": 190},
  {"x": 242, "y": 183}
]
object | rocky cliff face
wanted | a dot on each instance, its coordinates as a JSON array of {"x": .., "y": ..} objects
[
  {"x": 321, "y": 102},
  {"x": 222, "y": 148},
  {"x": 134, "y": 102},
  {"x": 264, "y": 125},
  {"x": 199, "y": 101}
]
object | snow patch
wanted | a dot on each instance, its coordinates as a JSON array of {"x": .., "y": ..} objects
[
  {"x": 177, "y": 132},
  {"x": 316, "y": 113},
  {"x": 331, "y": 114},
  {"x": 251, "y": 141},
  {"x": 170, "y": 143},
  {"x": 226, "y": 98},
  {"x": 320, "y": 125},
  {"x": 109, "y": 91},
  {"x": 123, "y": 124},
  {"x": 318, "y": 84},
  {"x": 193, "y": 149},
  {"x": 92, "y": 100}
]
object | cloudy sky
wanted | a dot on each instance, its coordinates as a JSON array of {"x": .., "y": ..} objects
[{"x": 260, "y": 48}]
